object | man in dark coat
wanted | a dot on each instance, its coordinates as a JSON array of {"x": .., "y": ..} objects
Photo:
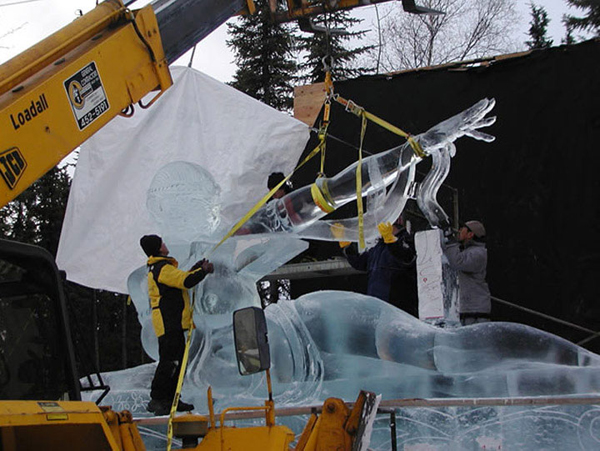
[
  {"x": 390, "y": 266},
  {"x": 275, "y": 178}
]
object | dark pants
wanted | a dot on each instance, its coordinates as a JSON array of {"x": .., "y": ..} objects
[
  {"x": 171, "y": 347},
  {"x": 467, "y": 319}
]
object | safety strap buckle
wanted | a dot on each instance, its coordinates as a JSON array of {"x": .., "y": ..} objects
[{"x": 354, "y": 108}]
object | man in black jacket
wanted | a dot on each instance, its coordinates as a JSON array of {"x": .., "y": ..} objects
[{"x": 390, "y": 265}]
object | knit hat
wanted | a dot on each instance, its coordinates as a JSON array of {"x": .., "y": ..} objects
[
  {"x": 275, "y": 179},
  {"x": 476, "y": 227},
  {"x": 151, "y": 244}
]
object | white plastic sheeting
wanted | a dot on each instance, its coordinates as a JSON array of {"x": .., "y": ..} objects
[{"x": 239, "y": 140}]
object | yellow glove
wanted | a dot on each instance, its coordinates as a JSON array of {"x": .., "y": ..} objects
[
  {"x": 337, "y": 230},
  {"x": 387, "y": 232}
]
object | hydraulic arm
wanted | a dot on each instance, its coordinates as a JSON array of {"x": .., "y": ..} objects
[
  {"x": 58, "y": 93},
  {"x": 61, "y": 91}
]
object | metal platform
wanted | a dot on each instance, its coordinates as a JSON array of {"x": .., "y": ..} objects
[{"x": 309, "y": 270}]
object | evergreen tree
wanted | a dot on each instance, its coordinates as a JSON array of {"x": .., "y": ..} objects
[
  {"x": 538, "y": 28},
  {"x": 590, "y": 22},
  {"x": 569, "y": 38},
  {"x": 104, "y": 329},
  {"x": 264, "y": 54},
  {"x": 36, "y": 215},
  {"x": 333, "y": 45}
]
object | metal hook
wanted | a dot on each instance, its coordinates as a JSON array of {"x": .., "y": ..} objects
[
  {"x": 128, "y": 111},
  {"x": 327, "y": 61}
]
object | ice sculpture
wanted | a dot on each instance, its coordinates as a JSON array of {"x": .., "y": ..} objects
[
  {"x": 185, "y": 192},
  {"x": 333, "y": 343},
  {"x": 299, "y": 212},
  {"x": 336, "y": 343}
]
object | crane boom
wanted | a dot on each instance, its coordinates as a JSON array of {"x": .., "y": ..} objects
[
  {"x": 58, "y": 93},
  {"x": 183, "y": 23}
]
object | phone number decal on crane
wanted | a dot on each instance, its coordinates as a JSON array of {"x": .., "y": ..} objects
[{"x": 86, "y": 95}]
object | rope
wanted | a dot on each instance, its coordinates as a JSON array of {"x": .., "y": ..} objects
[
  {"x": 192, "y": 57},
  {"x": 346, "y": 143},
  {"x": 551, "y": 318}
]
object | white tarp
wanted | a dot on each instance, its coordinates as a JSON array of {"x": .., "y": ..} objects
[{"x": 239, "y": 140}]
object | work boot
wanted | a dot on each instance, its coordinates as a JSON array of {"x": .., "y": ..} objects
[
  {"x": 184, "y": 406},
  {"x": 158, "y": 407}
]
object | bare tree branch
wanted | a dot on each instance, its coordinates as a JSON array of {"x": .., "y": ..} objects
[
  {"x": 9, "y": 32},
  {"x": 17, "y": 2},
  {"x": 469, "y": 29}
]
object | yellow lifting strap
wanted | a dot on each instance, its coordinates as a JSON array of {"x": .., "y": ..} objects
[
  {"x": 359, "y": 202},
  {"x": 323, "y": 134},
  {"x": 325, "y": 123},
  {"x": 320, "y": 199},
  {"x": 360, "y": 111},
  {"x": 264, "y": 200},
  {"x": 186, "y": 355},
  {"x": 317, "y": 195},
  {"x": 328, "y": 82}
]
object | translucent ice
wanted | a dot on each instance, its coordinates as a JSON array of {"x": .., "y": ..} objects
[
  {"x": 184, "y": 187},
  {"x": 299, "y": 212},
  {"x": 337, "y": 343},
  {"x": 333, "y": 343}
]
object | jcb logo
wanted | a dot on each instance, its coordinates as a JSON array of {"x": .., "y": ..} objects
[{"x": 12, "y": 166}]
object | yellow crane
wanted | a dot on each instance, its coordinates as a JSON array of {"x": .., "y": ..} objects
[
  {"x": 53, "y": 97},
  {"x": 62, "y": 90}
]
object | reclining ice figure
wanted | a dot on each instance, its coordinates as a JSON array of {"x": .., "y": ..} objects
[{"x": 336, "y": 343}]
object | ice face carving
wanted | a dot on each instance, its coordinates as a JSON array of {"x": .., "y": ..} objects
[{"x": 183, "y": 200}]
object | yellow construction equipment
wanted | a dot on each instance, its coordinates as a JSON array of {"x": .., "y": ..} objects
[
  {"x": 57, "y": 94},
  {"x": 53, "y": 97},
  {"x": 61, "y": 91},
  {"x": 76, "y": 425}
]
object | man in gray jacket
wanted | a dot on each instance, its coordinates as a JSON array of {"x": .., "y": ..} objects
[{"x": 468, "y": 255}]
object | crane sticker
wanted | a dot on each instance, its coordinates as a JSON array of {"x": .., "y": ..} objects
[
  {"x": 12, "y": 166},
  {"x": 86, "y": 95},
  {"x": 50, "y": 406}
]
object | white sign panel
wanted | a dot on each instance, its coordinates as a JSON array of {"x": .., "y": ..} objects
[
  {"x": 429, "y": 275},
  {"x": 86, "y": 95}
]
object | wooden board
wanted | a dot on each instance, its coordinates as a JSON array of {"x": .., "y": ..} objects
[{"x": 308, "y": 101}]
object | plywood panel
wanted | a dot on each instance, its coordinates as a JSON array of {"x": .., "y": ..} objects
[{"x": 308, "y": 101}]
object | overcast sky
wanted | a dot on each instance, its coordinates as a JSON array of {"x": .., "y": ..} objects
[{"x": 24, "y": 24}]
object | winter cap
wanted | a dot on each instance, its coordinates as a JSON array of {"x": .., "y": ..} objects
[
  {"x": 151, "y": 244},
  {"x": 476, "y": 227},
  {"x": 275, "y": 179}
]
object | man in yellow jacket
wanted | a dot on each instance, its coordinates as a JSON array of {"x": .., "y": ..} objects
[{"x": 171, "y": 315}]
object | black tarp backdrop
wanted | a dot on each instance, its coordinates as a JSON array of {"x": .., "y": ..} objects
[{"x": 536, "y": 187}]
